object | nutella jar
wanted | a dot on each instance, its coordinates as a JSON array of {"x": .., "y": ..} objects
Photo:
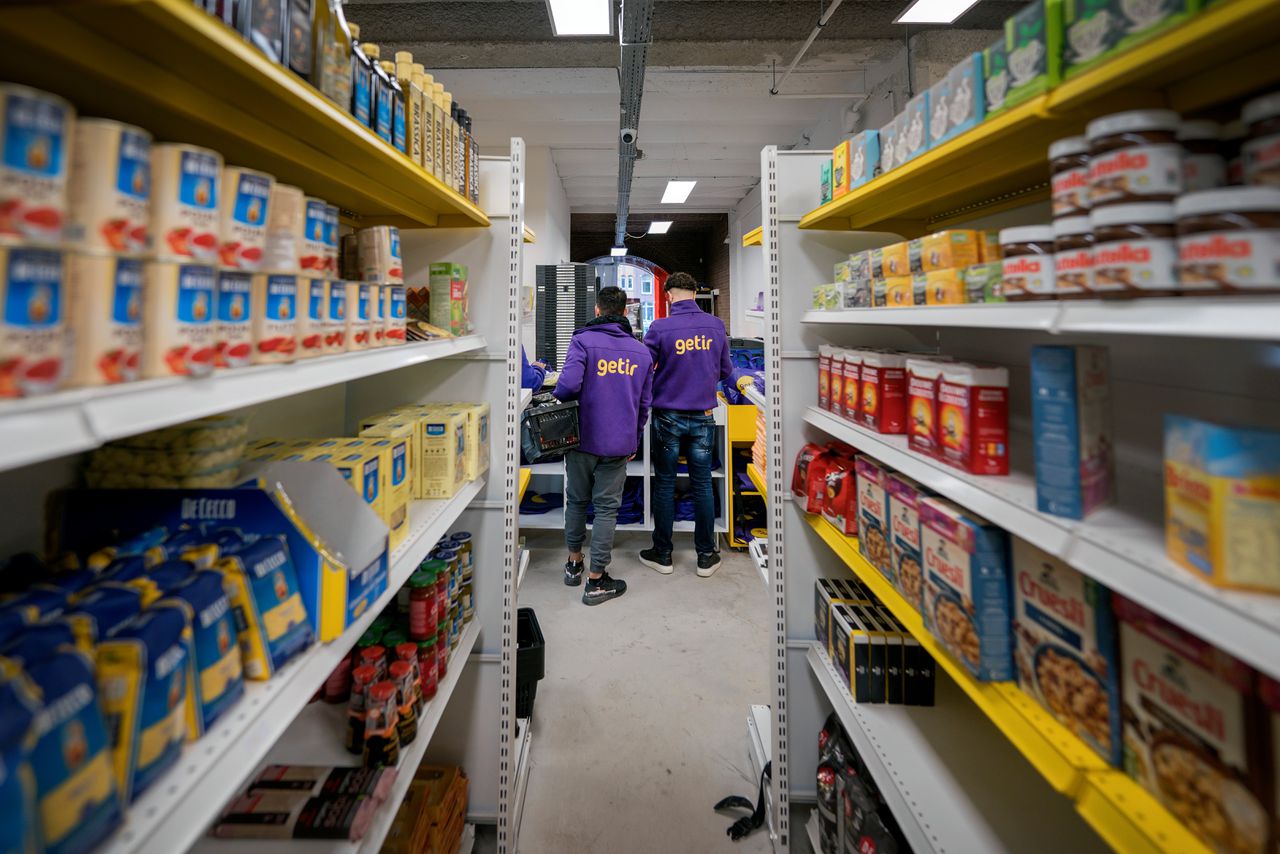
[
  {"x": 1203, "y": 166},
  {"x": 1233, "y": 134},
  {"x": 1027, "y": 266},
  {"x": 1229, "y": 240},
  {"x": 1069, "y": 176},
  {"x": 1073, "y": 256},
  {"x": 1134, "y": 157},
  {"x": 1135, "y": 250},
  {"x": 1261, "y": 149}
]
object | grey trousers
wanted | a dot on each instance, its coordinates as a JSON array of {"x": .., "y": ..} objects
[{"x": 599, "y": 481}]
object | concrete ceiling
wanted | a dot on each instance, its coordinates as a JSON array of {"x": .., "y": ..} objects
[{"x": 706, "y": 112}]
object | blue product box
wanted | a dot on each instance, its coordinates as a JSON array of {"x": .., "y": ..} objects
[
  {"x": 1071, "y": 422},
  {"x": 889, "y": 145},
  {"x": 864, "y": 158},
  {"x": 967, "y": 603},
  {"x": 913, "y": 128},
  {"x": 966, "y": 99}
]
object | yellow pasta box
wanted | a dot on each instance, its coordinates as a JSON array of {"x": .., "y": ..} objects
[
  {"x": 477, "y": 436},
  {"x": 398, "y": 426},
  {"x": 1222, "y": 503},
  {"x": 443, "y": 435},
  {"x": 943, "y": 250},
  {"x": 396, "y": 488},
  {"x": 363, "y": 468}
]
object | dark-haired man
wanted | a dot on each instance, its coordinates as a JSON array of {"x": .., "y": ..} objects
[
  {"x": 610, "y": 374},
  {"x": 691, "y": 356}
]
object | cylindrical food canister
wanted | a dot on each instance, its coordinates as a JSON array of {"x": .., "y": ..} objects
[
  {"x": 33, "y": 339},
  {"x": 235, "y": 321},
  {"x": 357, "y": 316},
  {"x": 377, "y": 316},
  {"x": 331, "y": 240},
  {"x": 462, "y": 543},
  {"x": 35, "y": 136},
  {"x": 393, "y": 309},
  {"x": 184, "y": 201},
  {"x": 285, "y": 216},
  {"x": 178, "y": 318},
  {"x": 313, "y": 253},
  {"x": 104, "y": 317},
  {"x": 109, "y": 194},
  {"x": 380, "y": 254},
  {"x": 313, "y": 315},
  {"x": 335, "y": 327},
  {"x": 246, "y": 196},
  {"x": 275, "y": 317},
  {"x": 349, "y": 257}
]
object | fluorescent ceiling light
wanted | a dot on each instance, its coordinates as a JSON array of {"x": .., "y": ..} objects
[
  {"x": 618, "y": 251},
  {"x": 934, "y": 11},
  {"x": 581, "y": 17},
  {"x": 677, "y": 192},
  {"x": 660, "y": 227}
]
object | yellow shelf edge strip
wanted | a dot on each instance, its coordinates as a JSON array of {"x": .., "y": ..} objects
[
  {"x": 757, "y": 478},
  {"x": 523, "y": 482},
  {"x": 754, "y": 237}
]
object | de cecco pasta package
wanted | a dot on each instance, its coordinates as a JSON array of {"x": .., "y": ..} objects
[
  {"x": 271, "y": 620},
  {"x": 215, "y": 677},
  {"x": 20, "y": 701}
]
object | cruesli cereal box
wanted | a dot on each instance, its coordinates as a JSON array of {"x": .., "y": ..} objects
[
  {"x": 966, "y": 589},
  {"x": 904, "y": 532},
  {"x": 873, "y": 514},
  {"x": 1192, "y": 735},
  {"x": 1064, "y": 635}
]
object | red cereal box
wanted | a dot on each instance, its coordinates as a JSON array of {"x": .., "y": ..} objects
[
  {"x": 840, "y": 503},
  {"x": 824, "y": 376},
  {"x": 922, "y": 405},
  {"x": 973, "y": 418},
  {"x": 884, "y": 392},
  {"x": 852, "y": 372},
  {"x": 873, "y": 514},
  {"x": 836, "y": 379}
]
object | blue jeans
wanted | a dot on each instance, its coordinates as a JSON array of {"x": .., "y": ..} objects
[{"x": 694, "y": 432}]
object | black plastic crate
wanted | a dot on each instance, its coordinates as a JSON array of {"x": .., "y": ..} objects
[
  {"x": 548, "y": 428},
  {"x": 531, "y": 660}
]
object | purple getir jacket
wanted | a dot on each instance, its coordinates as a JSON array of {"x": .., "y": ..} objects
[
  {"x": 610, "y": 374},
  {"x": 690, "y": 356}
]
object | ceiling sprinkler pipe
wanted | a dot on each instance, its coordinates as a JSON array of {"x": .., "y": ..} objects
[{"x": 804, "y": 48}]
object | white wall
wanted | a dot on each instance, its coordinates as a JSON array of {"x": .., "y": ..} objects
[
  {"x": 546, "y": 211},
  {"x": 746, "y": 267}
]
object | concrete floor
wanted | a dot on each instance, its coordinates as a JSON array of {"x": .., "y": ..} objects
[{"x": 639, "y": 726}]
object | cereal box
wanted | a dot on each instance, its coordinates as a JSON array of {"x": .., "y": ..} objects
[
  {"x": 904, "y": 532},
  {"x": 973, "y": 418},
  {"x": 873, "y": 514},
  {"x": 1064, "y": 636},
  {"x": 1071, "y": 421},
  {"x": 864, "y": 158},
  {"x": 851, "y": 393},
  {"x": 922, "y": 405},
  {"x": 1191, "y": 734},
  {"x": 834, "y": 591},
  {"x": 824, "y": 376},
  {"x": 1222, "y": 502},
  {"x": 824, "y": 191},
  {"x": 840, "y": 170},
  {"x": 966, "y": 588},
  {"x": 883, "y": 390}
]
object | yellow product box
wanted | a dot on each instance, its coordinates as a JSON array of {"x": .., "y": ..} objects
[
  {"x": 478, "y": 421},
  {"x": 443, "y": 435},
  {"x": 944, "y": 250},
  {"x": 895, "y": 260},
  {"x": 362, "y": 468},
  {"x": 944, "y": 287},
  {"x": 398, "y": 428},
  {"x": 989, "y": 246},
  {"x": 398, "y": 488},
  {"x": 899, "y": 292},
  {"x": 840, "y": 170},
  {"x": 1222, "y": 503}
]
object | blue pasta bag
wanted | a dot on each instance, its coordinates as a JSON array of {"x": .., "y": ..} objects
[
  {"x": 37, "y": 603},
  {"x": 19, "y": 703},
  {"x": 124, "y": 569},
  {"x": 40, "y": 640},
  {"x": 216, "y": 678},
  {"x": 163, "y": 578},
  {"x": 75, "y": 788},
  {"x": 142, "y": 679},
  {"x": 12, "y": 622},
  {"x": 69, "y": 583},
  {"x": 271, "y": 621},
  {"x": 102, "y": 611},
  {"x": 136, "y": 546}
]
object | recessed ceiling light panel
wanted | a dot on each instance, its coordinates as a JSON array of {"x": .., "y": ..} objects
[
  {"x": 934, "y": 11},
  {"x": 581, "y": 17},
  {"x": 677, "y": 192}
]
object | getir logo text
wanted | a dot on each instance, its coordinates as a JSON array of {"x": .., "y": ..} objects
[
  {"x": 688, "y": 345},
  {"x": 625, "y": 367}
]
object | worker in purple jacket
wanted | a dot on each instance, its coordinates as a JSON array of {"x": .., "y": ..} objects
[
  {"x": 610, "y": 374},
  {"x": 691, "y": 356}
]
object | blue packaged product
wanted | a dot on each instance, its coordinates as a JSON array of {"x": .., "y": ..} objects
[
  {"x": 102, "y": 612},
  {"x": 163, "y": 578},
  {"x": 216, "y": 678},
  {"x": 142, "y": 679},
  {"x": 227, "y": 540},
  {"x": 1071, "y": 422},
  {"x": 20, "y": 701},
  {"x": 125, "y": 568},
  {"x": 957, "y": 102},
  {"x": 71, "y": 760},
  {"x": 39, "y": 640},
  {"x": 271, "y": 621},
  {"x": 12, "y": 621},
  {"x": 37, "y": 603},
  {"x": 864, "y": 158},
  {"x": 70, "y": 583},
  {"x": 913, "y": 128}
]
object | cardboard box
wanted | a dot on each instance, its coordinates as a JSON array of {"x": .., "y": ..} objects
[
  {"x": 450, "y": 309},
  {"x": 944, "y": 250},
  {"x": 889, "y": 146},
  {"x": 824, "y": 190},
  {"x": 840, "y": 170},
  {"x": 478, "y": 421},
  {"x": 834, "y": 591},
  {"x": 895, "y": 260},
  {"x": 942, "y": 287},
  {"x": 873, "y": 514},
  {"x": 864, "y": 158},
  {"x": 398, "y": 426},
  {"x": 957, "y": 102},
  {"x": 1097, "y": 30},
  {"x": 869, "y": 656},
  {"x": 1027, "y": 60},
  {"x": 443, "y": 436},
  {"x": 397, "y": 484},
  {"x": 983, "y": 282},
  {"x": 906, "y": 566},
  {"x": 1071, "y": 423},
  {"x": 913, "y": 129}
]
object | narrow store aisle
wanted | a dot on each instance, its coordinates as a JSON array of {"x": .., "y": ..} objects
[{"x": 639, "y": 726}]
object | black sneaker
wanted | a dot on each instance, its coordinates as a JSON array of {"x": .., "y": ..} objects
[
  {"x": 572, "y": 573},
  {"x": 708, "y": 564},
  {"x": 654, "y": 559},
  {"x": 603, "y": 589}
]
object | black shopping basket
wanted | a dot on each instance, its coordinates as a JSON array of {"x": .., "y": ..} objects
[
  {"x": 531, "y": 649},
  {"x": 548, "y": 428}
]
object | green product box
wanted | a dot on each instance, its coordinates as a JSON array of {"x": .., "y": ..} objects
[
  {"x": 826, "y": 182},
  {"x": 983, "y": 282},
  {"x": 1094, "y": 31},
  {"x": 449, "y": 307},
  {"x": 1027, "y": 60}
]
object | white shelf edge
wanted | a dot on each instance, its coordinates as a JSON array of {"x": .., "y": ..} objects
[
  {"x": 758, "y": 314},
  {"x": 760, "y": 558},
  {"x": 181, "y": 805},
  {"x": 525, "y": 556},
  {"x": 526, "y": 395},
  {"x": 1114, "y": 546},
  {"x": 759, "y": 741},
  {"x": 523, "y": 749},
  {"x": 1243, "y": 317},
  {"x": 42, "y": 428},
  {"x": 753, "y": 395},
  {"x": 811, "y": 829},
  {"x": 468, "y": 842}
]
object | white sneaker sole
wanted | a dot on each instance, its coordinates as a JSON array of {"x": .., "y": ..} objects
[
  {"x": 660, "y": 568},
  {"x": 709, "y": 571}
]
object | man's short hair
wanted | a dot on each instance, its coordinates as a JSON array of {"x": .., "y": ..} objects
[
  {"x": 612, "y": 300},
  {"x": 682, "y": 282}
]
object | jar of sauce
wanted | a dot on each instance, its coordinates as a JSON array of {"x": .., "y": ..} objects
[
  {"x": 1135, "y": 250},
  {"x": 1134, "y": 157},
  {"x": 1027, "y": 266},
  {"x": 1203, "y": 164},
  {"x": 1261, "y": 148},
  {"x": 1073, "y": 257},
  {"x": 1069, "y": 176},
  {"x": 1229, "y": 240}
]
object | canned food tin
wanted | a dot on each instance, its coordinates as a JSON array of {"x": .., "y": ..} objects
[
  {"x": 35, "y": 132},
  {"x": 377, "y": 316},
  {"x": 313, "y": 315},
  {"x": 109, "y": 193},
  {"x": 394, "y": 310},
  {"x": 379, "y": 248},
  {"x": 235, "y": 321},
  {"x": 335, "y": 327},
  {"x": 104, "y": 318},
  {"x": 178, "y": 316},
  {"x": 184, "y": 207},
  {"x": 275, "y": 317},
  {"x": 246, "y": 199},
  {"x": 358, "y": 324},
  {"x": 313, "y": 254},
  {"x": 32, "y": 326}
]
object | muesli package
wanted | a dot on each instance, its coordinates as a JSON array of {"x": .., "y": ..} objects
[
  {"x": 873, "y": 514},
  {"x": 906, "y": 574}
]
